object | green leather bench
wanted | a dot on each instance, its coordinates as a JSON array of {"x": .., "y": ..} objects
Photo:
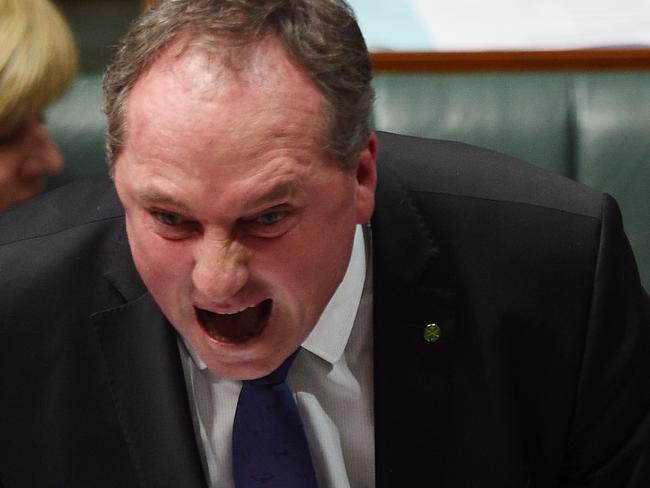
[{"x": 592, "y": 127}]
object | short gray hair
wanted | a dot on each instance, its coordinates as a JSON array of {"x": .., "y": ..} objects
[{"x": 321, "y": 36}]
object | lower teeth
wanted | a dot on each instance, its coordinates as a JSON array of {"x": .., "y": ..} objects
[{"x": 237, "y": 327}]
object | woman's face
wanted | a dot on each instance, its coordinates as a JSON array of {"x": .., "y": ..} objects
[{"x": 27, "y": 157}]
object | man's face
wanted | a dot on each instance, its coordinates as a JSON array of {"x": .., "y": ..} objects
[{"x": 239, "y": 224}]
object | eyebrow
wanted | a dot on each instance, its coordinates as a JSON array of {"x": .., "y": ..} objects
[
  {"x": 282, "y": 190},
  {"x": 154, "y": 198}
]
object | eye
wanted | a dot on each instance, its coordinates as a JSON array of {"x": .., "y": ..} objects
[
  {"x": 15, "y": 134},
  {"x": 168, "y": 219},
  {"x": 272, "y": 223},
  {"x": 173, "y": 226},
  {"x": 270, "y": 218},
  {"x": 12, "y": 137}
]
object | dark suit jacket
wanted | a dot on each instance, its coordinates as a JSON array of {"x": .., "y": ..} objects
[{"x": 541, "y": 376}]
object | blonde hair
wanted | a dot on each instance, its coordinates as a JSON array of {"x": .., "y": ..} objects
[{"x": 38, "y": 59}]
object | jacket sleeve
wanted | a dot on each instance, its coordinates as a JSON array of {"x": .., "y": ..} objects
[{"x": 609, "y": 444}]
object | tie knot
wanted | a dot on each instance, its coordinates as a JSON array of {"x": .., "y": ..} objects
[{"x": 277, "y": 376}]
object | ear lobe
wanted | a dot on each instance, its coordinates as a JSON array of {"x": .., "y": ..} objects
[{"x": 366, "y": 178}]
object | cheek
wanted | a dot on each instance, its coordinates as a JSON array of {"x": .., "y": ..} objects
[
  {"x": 323, "y": 242},
  {"x": 312, "y": 263},
  {"x": 163, "y": 265},
  {"x": 14, "y": 188},
  {"x": 9, "y": 163}
]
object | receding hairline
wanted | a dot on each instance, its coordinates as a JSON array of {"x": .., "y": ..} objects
[
  {"x": 246, "y": 75},
  {"x": 321, "y": 36}
]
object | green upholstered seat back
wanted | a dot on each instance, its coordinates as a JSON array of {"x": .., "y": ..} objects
[
  {"x": 612, "y": 148},
  {"x": 522, "y": 115},
  {"x": 77, "y": 125}
]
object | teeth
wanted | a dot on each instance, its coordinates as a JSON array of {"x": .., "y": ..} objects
[
  {"x": 235, "y": 312},
  {"x": 235, "y": 327}
]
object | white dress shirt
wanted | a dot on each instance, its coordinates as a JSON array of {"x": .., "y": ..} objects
[{"x": 332, "y": 384}]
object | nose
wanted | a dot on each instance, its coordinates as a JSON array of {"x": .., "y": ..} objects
[
  {"x": 220, "y": 271},
  {"x": 44, "y": 156}
]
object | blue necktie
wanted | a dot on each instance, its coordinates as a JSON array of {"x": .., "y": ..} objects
[{"x": 269, "y": 446}]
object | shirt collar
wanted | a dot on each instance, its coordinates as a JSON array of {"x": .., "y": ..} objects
[
  {"x": 330, "y": 335},
  {"x": 198, "y": 362}
]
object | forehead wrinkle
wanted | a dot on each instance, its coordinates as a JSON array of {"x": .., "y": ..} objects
[
  {"x": 279, "y": 191},
  {"x": 211, "y": 85}
]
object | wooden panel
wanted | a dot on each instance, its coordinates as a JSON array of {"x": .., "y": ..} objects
[{"x": 578, "y": 60}]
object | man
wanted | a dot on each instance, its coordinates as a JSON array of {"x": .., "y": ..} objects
[{"x": 488, "y": 327}]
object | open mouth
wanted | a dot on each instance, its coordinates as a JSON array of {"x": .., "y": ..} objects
[{"x": 238, "y": 326}]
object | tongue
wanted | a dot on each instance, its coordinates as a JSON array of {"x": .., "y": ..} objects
[{"x": 237, "y": 327}]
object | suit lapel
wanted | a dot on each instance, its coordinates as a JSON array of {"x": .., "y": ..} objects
[
  {"x": 413, "y": 287},
  {"x": 146, "y": 378}
]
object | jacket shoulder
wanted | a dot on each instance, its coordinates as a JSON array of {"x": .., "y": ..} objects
[
  {"x": 462, "y": 170},
  {"x": 55, "y": 251},
  {"x": 88, "y": 200}
]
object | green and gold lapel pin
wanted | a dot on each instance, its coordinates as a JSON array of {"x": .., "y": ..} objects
[{"x": 431, "y": 332}]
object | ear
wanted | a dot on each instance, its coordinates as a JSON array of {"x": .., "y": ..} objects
[{"x": 366, "y": 180}]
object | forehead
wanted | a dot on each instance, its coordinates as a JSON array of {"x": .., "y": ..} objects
[
  {"x": 192, "y": 117},
  {"x": 191, "y": 94},
  {"x": 261, "y": 75}
]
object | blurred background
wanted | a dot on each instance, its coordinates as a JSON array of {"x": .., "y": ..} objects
[{"x": 478, "y": 25}]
